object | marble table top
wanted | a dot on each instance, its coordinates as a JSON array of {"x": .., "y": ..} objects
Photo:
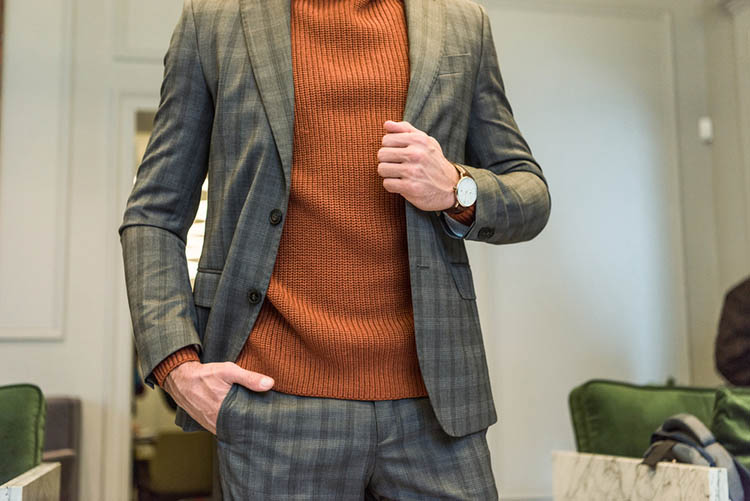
[{"x": 594, "y": 477}]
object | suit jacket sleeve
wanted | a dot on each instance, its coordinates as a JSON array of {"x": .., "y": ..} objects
[
  {"x": 513, "y": 202},
  {"x": 163, "y": 204}
]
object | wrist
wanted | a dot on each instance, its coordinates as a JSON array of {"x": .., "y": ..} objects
[
  {"x": 186, "y": 354},
  {"x": 450, "y": 196},
  {"x": 178, "y": 372}
]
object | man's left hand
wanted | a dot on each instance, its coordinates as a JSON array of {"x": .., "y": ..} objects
[{"x": 412, "y": 164}]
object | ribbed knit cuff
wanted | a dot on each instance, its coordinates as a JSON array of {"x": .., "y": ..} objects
[
  {"x": 466, "y": 216},
  {"x": 186, "y": 354}
]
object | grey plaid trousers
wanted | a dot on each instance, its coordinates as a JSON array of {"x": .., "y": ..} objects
[{"x": 277, "y": 446}]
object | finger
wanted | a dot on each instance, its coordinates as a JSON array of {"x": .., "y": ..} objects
[
  {"x": 393, "y": 155},
  {"x": 394, "y": 185},
  {"x": 249, "y": 379},
  {"x": 403, "y": 126},
  {"x": 386, "y": 169},
  {"x": 399, "y": 139}
]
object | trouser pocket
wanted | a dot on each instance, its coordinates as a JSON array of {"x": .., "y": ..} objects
[{"x": 221, "y": 418}]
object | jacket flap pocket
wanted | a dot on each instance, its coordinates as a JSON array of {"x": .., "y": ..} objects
[
  {"x": 454, "y": 64},
  {"x": 464, "y": 282},
  {"x": 206, "y": 283}
]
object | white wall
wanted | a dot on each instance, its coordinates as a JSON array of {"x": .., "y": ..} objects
[
  {"x": 75, "y": 73},
  {"x": 608, "y": 95},
  {"x": 55, "y": 215}
]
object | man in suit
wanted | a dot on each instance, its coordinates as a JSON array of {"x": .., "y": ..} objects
[{"x": 331, "y": 340}]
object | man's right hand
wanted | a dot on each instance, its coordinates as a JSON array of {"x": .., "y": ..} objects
[{"x": 200, "y": 388}]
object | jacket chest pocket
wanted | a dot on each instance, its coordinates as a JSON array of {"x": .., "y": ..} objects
[{"x": 454, "y": 64}]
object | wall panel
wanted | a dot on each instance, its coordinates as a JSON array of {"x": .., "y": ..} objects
[{"x": 34, "y": 168}]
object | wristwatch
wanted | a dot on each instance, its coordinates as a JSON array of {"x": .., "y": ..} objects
[{"x": 465, "y": 191}]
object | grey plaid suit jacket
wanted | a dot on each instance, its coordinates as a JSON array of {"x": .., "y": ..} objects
[{"x": 227, "y": 111}]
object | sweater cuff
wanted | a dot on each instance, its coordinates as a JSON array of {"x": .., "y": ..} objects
[
  {"x": 465, "y": 217},
  {"x": 186, "y": 354}
]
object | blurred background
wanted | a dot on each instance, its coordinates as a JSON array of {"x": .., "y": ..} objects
[{"x": 637, "y": 110}]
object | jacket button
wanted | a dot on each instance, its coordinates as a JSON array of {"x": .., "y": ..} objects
[
  {"x": 486, "y": 232},
  {"x": 254, "y": 296},
  {"x": 275, "y": 216}
]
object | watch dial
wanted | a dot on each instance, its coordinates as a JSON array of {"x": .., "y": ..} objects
[{"x": 467, "y": 191}]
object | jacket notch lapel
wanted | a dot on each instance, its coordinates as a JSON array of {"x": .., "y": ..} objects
[
  {"x": 426, "y": 33},
  {"x": 266, "y": 24}
]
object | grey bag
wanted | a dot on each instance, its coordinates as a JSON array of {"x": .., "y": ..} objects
[{"x": 685, "y": 439}]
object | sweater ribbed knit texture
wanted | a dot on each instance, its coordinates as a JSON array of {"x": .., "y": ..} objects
[{"x": 337, "y": 319}]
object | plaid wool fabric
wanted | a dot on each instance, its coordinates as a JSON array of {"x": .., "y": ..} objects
[{"x": 276, "y": 446}]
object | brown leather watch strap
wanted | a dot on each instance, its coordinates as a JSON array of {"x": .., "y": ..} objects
[{"x": 457, "y": 208}]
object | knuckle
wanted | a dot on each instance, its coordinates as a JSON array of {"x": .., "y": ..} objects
[{"x": 224, "y": 370}]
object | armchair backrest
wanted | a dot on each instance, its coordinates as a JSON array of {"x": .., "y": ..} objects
[
  {"x": 617, "y": 419},
  {"x": 22, "y": 417}
]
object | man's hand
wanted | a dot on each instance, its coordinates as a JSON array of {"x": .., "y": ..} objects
[
  {"x": 200, "y": 388},
  {"x": 412, "y": 164}
]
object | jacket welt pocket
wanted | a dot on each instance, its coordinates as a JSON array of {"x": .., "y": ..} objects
[{"x": 454, "y": 64}]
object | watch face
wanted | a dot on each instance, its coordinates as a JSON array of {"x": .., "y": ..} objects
[{"x": 466, "y": 191}]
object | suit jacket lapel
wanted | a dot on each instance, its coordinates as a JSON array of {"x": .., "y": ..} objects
[
  {"x": 266, "y": 24},
  {"x": 425, "y": 28}
]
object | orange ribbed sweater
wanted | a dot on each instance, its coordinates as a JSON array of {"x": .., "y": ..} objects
[{"x": 337, "y": 319}]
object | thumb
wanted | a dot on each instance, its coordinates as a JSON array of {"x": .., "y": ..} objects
[
  {"x": 392, "y": 126},
  {"x": 249, "y": 379}
]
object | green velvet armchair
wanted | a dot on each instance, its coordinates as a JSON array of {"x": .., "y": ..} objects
[
  {"x": 618, "y": 419},
  {"x": 22, "y": 418}
]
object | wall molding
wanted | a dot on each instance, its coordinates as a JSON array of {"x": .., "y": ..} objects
[{"x": 124, "y": 104}]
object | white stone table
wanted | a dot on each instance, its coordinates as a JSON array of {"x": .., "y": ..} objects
[
  {"x": 41, "y": 483},
  {"x": 595, "y": 477}
]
